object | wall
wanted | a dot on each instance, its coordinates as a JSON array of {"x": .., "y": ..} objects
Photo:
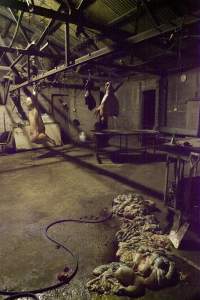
[
  {"x": 183, "y": 101},
  {"x": 130, "y": 102},
  {"x": 49, "y": 102},
  {"x": 75, "y": 108}
]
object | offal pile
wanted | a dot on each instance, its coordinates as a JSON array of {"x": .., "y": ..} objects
[{"x": 143, "y": 254}]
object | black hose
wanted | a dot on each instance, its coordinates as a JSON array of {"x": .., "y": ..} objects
[{"x": 20, "y": 294}]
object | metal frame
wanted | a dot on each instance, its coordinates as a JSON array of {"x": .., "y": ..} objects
[
  {"x": 149, "y": 12},
  {"x": 74, "y": 17},
  {"x": 67, "y": 42},
  {"x": 106, "y": 51},
  {"x": 38, "y": 10},
  {"x": 28, "y": 51}
]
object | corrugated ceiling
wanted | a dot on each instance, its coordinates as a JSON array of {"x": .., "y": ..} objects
[{"x": 103, "y": 13}]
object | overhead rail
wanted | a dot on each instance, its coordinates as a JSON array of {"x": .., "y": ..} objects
[{"x": 114, "y": 48}]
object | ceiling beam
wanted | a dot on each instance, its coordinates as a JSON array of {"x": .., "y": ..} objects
[
  {"x": 29, "y": 51},
  {"x": 99, "y": 54},
  {"x": 27, "y": 27},
  {"x": 4, "y": 68},
  {"x": 123, "y": 18},
  {"x": 6, "y": 30},
  {"x": 39, "y": 41},
  {"x": 73, "y": 18},
  {"x": 55, "y": 27},
  {"x": 37, "y": 10},
  {"x": 89, "y": 57},
  {"x": 8, "y": 54},
  {"x": 23, "y": 31},
  {"x": 84, "y": 4},
  {"x": 68, "y": 86},
  {"x": 150, "y": 14}
]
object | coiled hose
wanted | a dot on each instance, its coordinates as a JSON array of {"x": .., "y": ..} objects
[{"x": 32, "y": 293}]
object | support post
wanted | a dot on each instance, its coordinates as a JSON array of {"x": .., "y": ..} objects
[
  {"x": 67, "y": 45},
  {"x": 6, "y": 91},
  {"x": 28, "y": 69}
]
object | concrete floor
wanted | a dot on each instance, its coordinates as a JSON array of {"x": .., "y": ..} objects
[{"x": 40, "y": 187}]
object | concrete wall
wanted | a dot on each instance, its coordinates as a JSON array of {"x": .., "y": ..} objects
[
  {"x": 75, "y": 108},
  {"x": 181, "y": 109},
  {"x": 130, "y": 103},
  {"x": 183, "y": 101},
  {"x": 49, "y": 102}
]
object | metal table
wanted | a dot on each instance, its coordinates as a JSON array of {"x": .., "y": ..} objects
[
  {"x": 182, "y": 166},
  {"x": 144, "y": 135}
]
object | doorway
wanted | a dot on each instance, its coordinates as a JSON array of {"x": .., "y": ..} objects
[{"x": 148, "y": 109}]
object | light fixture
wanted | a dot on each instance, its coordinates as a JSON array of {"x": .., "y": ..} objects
[{"x": 183, "y": 77}]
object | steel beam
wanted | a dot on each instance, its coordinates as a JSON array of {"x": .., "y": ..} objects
[
  {"x": 99, "y": 54},
  {"x": 89, "y": 57},
  {"x": 8, "y": 54},
  {"x": 38, "y": 10},
  {"x": 149, "y": 12},
  {"x": 84, "y": 4},
  {"x": 78, "y": 19},
  {"x": 28, "y": 67},
  {"x": 123, "y": 18},
  {"x": 69, "y": 86},
  {"x": 6, "y": 91},
  {"x": 4, "y": 68},
  {"x": 6, "y": 30},
  {"x": 38, "y": 43},
  {"x": 67, "y": 44},
  {"x": 23, "y": 31},
  {"x": 73, "y": 18},
  {"x": 27, "y": 27},
  {"x": 27, "y": 51}
]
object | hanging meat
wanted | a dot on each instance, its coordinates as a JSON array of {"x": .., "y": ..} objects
[
  {"x": 89, "y": 99},
  {"x": 109, "y": 106}
]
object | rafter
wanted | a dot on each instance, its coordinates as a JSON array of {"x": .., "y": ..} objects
[
  {"x": 23, "y": 31},
  {"x": 84, "y": 4},
  {"x": 7, "y": 54},
  {"x": 123, "y": 18},
  {"x": 150, "y": 14},
  {"x": 6, "y": 30},
  {"x": 28, "y": 51},
  {"x": 38, "y": 43},
  {"x": 4, "y": 68},
  {"x": 107, "y": 51},
  {"x": 76, "y": 17},
  {"x": 38, "y": 10},
  {"x": 15, "y": 32},
  {"x": 27, "y": 27}
]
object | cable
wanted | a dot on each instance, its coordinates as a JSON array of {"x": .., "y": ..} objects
[{"x": 20, "y": 294}]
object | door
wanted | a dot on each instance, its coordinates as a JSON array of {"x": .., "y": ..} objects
[{"x": 148, "y": 109}]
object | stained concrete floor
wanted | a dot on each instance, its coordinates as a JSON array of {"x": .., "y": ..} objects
[{"x": 39, "y": 187}]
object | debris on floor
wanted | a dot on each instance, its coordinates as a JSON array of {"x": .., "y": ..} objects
[{"x": 143, "y": 252}]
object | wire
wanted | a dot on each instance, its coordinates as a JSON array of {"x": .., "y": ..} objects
[{"x": 32, "y": 293}]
